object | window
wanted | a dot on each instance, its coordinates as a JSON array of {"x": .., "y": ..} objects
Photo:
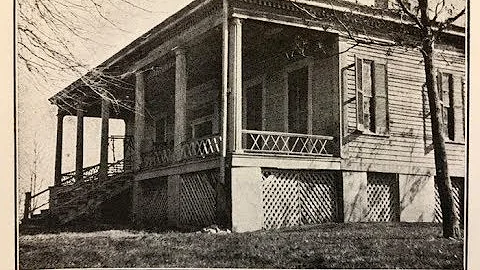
[
  {"x": 298, "y": 101},
  {"x": 371, "y": 88},
  {"x": 254, "y": 101},
  {"x": 450, "y": 90},
  {"x": 202, "y": 127}
]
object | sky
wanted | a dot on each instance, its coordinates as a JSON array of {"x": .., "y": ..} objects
[{"x": 36, "y": 117}]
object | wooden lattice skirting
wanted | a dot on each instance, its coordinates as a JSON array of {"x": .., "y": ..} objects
[
  {"x": 382, "y": 197},
  {"x": 292, "y": 197},
  {"x": 153, "y": 202},
  {"x": 197, "y": 198},
  {"x": 458, "y": 199}
]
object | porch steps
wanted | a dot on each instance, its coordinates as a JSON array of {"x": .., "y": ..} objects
[
  {"x": 85, "y": 201},
  {"x": 80, "y": 200}
]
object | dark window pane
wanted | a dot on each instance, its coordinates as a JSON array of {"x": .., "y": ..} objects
[
  {"x": 254, "y": 107},
  {"x": 203, "y": 129},
  {"x": 298, "y": 101}
]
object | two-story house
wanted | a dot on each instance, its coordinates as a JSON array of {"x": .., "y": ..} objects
[{"x": 259, "y": 114}]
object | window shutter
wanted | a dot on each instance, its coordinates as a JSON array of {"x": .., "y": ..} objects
[
  {"x": 359, "y": 93},
  {"x": 458, "y": 111},
  {"x": 381, "y": 109},
  {"x": 441, "y": 88}
]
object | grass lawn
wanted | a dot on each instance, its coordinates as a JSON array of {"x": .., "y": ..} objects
[{"x": 360, "y": 245}]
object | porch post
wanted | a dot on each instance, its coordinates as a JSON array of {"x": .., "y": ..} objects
[
  {"x": 128, "y": 144},
  {"x": 139, "y": 131},
  {"x": 103, "y": 170},
  {"x": 59, "y": 149},
  {"x": 79, "y": 146},
  {"x": 180, "y": 100},
  {"x": 139, "y": 120},
  {"x": 235, "y": 82}
]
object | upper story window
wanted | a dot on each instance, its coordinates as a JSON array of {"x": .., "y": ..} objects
[
  {"x": 371, "y": 89},
  {"x": 451, "y": 94}
]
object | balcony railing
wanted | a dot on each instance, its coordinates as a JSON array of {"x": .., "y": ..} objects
[
  {"x": 157, "y": 158},
  {"x": 286, "y": 143},
  {"x": 191, "y": 150},
  {"x": 201, "y": 148},
  {"x": 91, "y": 173}
]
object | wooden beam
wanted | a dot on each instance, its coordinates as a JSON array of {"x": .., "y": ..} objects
[
  {"x": 186, "y": 36},
  {"x": 286, "y": 162},
  {"x": 180, "y": 168}
]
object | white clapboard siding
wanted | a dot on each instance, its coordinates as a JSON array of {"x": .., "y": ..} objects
[{"x": 409, "y": 139}]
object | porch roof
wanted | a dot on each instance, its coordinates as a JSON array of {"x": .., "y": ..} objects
[{"x": 197, "y": 9}]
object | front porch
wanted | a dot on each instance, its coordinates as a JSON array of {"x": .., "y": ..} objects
[
  {"x": 250, "y": 94},
  {"x": 258, "y": 99}
]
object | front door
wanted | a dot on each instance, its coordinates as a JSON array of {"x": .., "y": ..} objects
[
  {"x": 298, "y": 101},
  {"x": 254, "y": 114}
]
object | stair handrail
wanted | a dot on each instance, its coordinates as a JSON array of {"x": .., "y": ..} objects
[
  {"x": 87, "y": 177},
  {"x": 71, "y": 175},
  {"x": 111, "y": 178},
  {"x": 28, "y": 209}
]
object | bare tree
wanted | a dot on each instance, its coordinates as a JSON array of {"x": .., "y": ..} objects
[
  {"x": 47, "y": 30},
  {"x": 429, "y": 20},
  {"x": 431, "y": 29}
]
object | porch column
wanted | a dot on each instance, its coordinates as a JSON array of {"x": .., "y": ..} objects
[
  {"x": 139, "y": 131},
  {"x": 235, "y": 83},
  {"x": 79, "y": 146},
  {"x": 103, "y": 170},
  {"x": 139, "y": 120},
  {"x": 128, "y": 144},
  {"x": 180, "y": 134},
  {"x": 59, "y": 149}
]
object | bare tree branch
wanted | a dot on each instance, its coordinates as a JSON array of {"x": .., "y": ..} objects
[
  {"x": 449, "y": 21},
  {"x": 409, "y": 13}
]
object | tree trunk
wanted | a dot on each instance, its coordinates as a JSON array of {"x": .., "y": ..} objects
[{"x": 450, "y": 217}]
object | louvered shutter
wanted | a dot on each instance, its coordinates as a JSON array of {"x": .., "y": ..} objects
[
  {"x": 458, "y": 111},
  {"x": 359, "y": 93},
  {"x": 441, "y": 86},
  {"x": 381, "y": 108}
]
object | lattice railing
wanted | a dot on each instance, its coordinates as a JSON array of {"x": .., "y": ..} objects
[
  {"x": 293, "y": 198},
  {"x": 286, "y": 143},
  {"x": 91, "y": 173},
  {"x": 201, "y": 148},
  {"x": 87, "y": 172},
  {"x": 197, "y": 198},
  {"x": 195, "y": 149},
  {"x": 382, "y": 197},
  {"x": 157, "y": 158},
  {"x": 458, "y": 197}
]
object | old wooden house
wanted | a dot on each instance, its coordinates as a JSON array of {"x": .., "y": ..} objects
[{"x": 260, "y": 114}]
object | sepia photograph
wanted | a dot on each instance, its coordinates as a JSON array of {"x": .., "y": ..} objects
[{"x": 242, "y": 134}]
